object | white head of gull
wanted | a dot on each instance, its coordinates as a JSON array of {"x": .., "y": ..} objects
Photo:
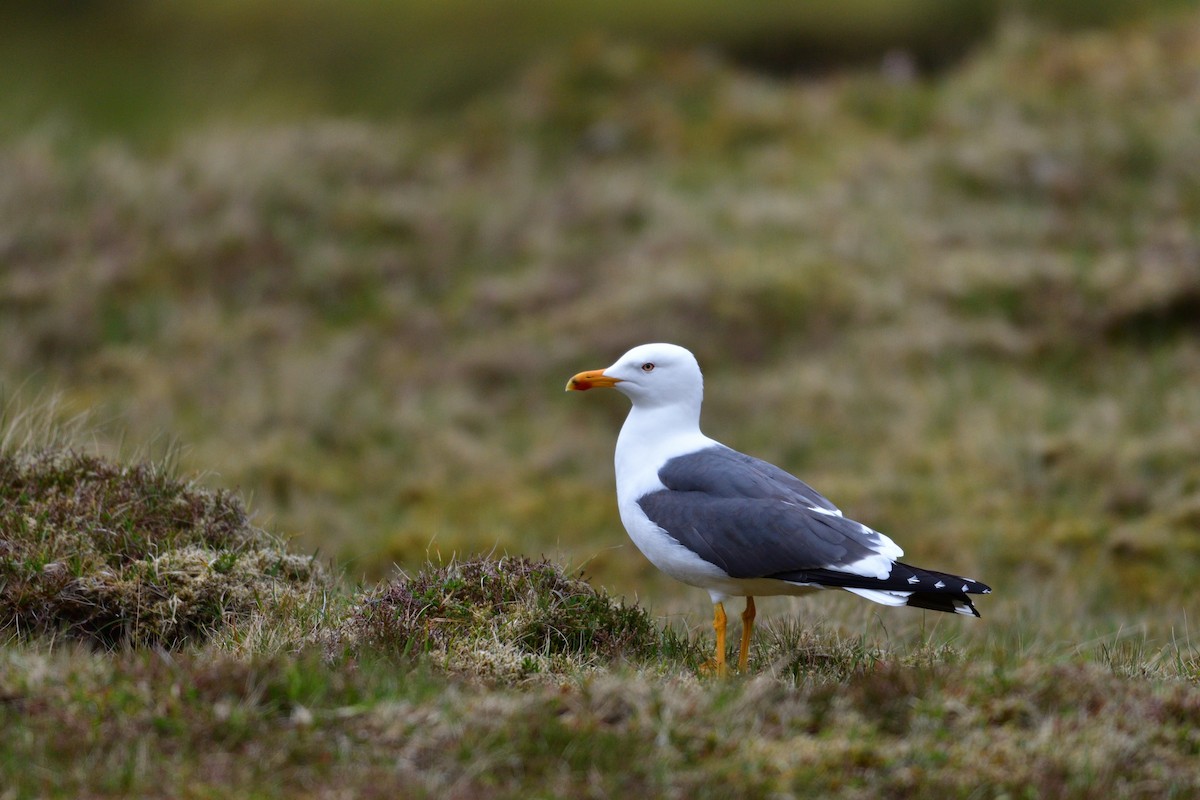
[{"x": 735, "y": 525}]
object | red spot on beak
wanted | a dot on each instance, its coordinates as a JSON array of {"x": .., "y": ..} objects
[{"x": 590, "y": 380}]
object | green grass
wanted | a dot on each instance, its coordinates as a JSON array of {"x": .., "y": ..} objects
[
  {"x": 963, "y": 306},
  {"x": 195, "y": 724}
]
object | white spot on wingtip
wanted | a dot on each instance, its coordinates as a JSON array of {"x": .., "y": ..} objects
[
  {"x": 914, "y": 579},
  {"x": 964, "y": 587},
  {"x": 939, "y": 585}
]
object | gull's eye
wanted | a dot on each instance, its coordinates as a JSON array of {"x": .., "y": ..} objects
[{"x": 647, "y": 367}]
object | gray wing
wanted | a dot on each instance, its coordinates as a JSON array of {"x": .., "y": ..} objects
[
  {"x": 721, "y": 471},
  {"x": 752, "y": 519}
]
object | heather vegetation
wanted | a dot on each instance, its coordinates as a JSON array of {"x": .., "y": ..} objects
[
  {"x": 292, "y": 502},
  {"x": 120, "y": 556}
]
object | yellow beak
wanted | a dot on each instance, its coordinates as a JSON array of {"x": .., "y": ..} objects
[{"x": 592, "y": 379}]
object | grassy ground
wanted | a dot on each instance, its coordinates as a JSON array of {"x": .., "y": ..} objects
[{"x": 965, "y": 308}]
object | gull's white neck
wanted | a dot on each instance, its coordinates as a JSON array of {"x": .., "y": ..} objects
[{"x": 650, "y": 436}]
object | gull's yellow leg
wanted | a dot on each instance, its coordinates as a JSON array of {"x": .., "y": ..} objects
[
  {"x": 747, "y": 630},
  {"x": 719, "y": 625}
]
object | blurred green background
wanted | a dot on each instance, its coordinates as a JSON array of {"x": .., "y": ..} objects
[
  {"x": 144, "y": 71},
  {"x": 938, "y": 258}
]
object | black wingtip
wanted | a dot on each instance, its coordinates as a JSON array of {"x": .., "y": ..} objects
[{"x": 951, "y": 603}]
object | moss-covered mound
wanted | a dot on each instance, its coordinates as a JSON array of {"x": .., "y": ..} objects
[
  {"x": 117, "y": 555},
  {"x": 505, "y": 617}
]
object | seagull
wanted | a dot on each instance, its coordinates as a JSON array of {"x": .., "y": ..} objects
[{"x": 733, "y": 524}]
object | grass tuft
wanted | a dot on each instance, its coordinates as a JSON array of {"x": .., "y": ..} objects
[
  {"x": 129, "y": 555},
  {"x": 508, "y": 617}
]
